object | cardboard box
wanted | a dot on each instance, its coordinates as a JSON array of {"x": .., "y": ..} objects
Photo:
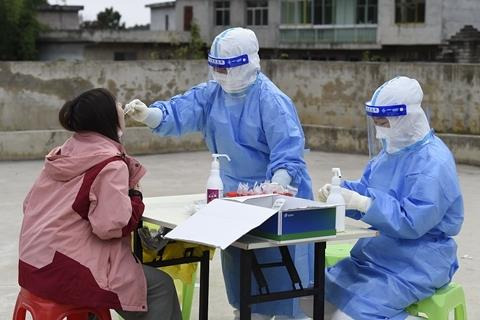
[{"x": 298, "y": 218}]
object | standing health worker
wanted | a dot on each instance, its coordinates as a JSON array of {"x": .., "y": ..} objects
[{"x": 241, "y": 113}]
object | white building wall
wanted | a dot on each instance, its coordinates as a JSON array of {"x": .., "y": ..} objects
[
  {"x": 268, "y": 36},
  {"x": 202, "y": 16},
  {"x": 59, "y": 20},
  {"x": 459, "y": 13},
  {"x": 428, "y": 33},
  {"x": 158, "y": 18}
]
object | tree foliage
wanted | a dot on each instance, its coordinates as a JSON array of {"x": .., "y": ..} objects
[
  {"x": 195, "y": 49},
  {"x": 108, "y": 19},
  {"x": 19, "y": 29}
]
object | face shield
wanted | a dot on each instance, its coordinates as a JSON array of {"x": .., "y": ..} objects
[
  {"x": 227, "y": 73},
  {"x": 233, "y": 59},
  {"x": 395, "y": 118},
  {"x": 379, "y": 125}
]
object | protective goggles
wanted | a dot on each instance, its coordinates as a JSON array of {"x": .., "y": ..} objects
[
  {"x": 227, "y": 62},
  {"x": 386, "y": 111}
]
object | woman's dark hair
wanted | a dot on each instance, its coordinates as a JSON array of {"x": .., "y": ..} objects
[{"x": 94, "y": 110}]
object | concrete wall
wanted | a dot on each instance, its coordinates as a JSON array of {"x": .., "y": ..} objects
[
  {"x": 332, "y": 94},
  {"x": 103, "y": 44},
  {"x": 59, "y": 20},
  {"x": 328, "y": 96},
  {"x": 158, "y": 18}
]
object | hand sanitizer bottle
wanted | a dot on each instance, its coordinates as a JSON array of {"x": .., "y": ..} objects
[
  {"x": 335, "y": 197},
  {"x": 214, "y": 182}
]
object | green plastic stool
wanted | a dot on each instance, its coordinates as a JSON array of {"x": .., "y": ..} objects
[
  {"x": 436, "y": 307},
  {"x": 439, "y": 306},
  {"x": 336, "y": 252}
]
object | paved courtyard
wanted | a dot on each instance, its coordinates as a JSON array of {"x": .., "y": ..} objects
[{"x": 184, "y": 173}]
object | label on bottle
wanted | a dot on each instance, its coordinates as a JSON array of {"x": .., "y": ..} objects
[{"x": 212, "y": 194}]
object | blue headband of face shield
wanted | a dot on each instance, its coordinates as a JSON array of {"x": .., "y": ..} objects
[
  {"x": 386, "y": 111},
  {"x": 227, "y": 62}
]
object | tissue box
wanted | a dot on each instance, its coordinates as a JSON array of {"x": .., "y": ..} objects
[{"x": 298, "y": 218}]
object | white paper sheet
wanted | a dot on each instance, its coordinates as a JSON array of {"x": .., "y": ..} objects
[{"x": 221, "y": 223}]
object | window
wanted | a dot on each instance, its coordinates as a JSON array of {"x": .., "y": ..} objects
[
  {"x": 257, "y": 13},
  {"x": 297, "y": 11},
  {"x": 187, "y": 18},
  {"x": 123, "y": 56},
  {"x": 323, "y": 12},
  {"x": 409, "y": 11},
  {"x": 166, "y": 22},
  {"x": 367, "y": 11},
  {"x": 222, "y": 13}
]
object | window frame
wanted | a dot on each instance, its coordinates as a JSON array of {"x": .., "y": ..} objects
[
  {"x": 401, "y": 11},
  {"x": 263, "y": 13},
  {"x": 224, "y": 11},
  {"x": 302, "y": 12},
  {"x": 323, "y": 20},
  {"x": 365, "y": 7}
]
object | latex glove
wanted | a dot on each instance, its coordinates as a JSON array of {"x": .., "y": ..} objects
[
  {"x": 137, "y": 110},
  {"x": 355, "y": 201},
  {"x": 282, "y": 177},
  {"x": 324, "y": 192}
]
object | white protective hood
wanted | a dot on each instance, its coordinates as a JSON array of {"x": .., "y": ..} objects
[
  {"x": 230, "y": 44},
  {"x": 407, "y": 129}
]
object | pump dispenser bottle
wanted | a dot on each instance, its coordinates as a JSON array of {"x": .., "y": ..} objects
[
  {"x": 214, "y": 182},
  {"x": 335, "y": 197}
]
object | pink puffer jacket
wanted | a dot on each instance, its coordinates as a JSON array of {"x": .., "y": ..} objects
[{"x": 75, "y": 240}]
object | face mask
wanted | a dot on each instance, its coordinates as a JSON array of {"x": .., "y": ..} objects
[
  {"x": 120, "y": 133},
  {"x": 219, "y": 77},
  {"x": 382, "y": 132}
]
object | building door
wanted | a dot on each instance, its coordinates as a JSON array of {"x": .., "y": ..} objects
[{"x": 187, "y": 18}]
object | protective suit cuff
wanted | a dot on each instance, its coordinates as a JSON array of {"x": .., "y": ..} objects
[
  {"x": 154, "y": 118},
  {"x": 370, "y": 215}
]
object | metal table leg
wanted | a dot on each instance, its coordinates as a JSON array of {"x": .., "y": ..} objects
[
  {"x": 245, "y": 284},
  {"x": 319, "y": 281},
  {"x": 204, "y": 279}
]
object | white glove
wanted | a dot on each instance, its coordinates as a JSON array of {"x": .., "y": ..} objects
[
  {"x": 137, "y": 110},
  {"x": 282, "y": 177},
  {"x": 324, "y": 192},
  {"x": 152, "y": 117},
  {"x": 355, "y": 201}
]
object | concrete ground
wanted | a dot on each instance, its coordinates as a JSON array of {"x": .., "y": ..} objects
[{"x": 184, "y": 173}]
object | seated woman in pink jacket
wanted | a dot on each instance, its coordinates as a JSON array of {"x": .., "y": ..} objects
[{"x": 75, "y": 240}]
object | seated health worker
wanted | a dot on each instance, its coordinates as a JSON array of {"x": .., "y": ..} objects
[
  {"x": 75, "y": 241},
  {"x": 241, "y": 113},
  {"x": 410, "y": 193}
]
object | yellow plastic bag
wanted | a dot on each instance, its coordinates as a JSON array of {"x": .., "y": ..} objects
[{"x": 175, "y": 250}]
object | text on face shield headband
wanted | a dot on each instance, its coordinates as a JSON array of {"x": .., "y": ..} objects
[
  {"x": 386, "y": 111},
  {"x": 227, "y": 62}
]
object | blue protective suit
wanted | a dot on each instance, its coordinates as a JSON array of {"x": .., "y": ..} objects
[
  {"x": 261, "y": 133},
  {"x": 417, "y": 207}
]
